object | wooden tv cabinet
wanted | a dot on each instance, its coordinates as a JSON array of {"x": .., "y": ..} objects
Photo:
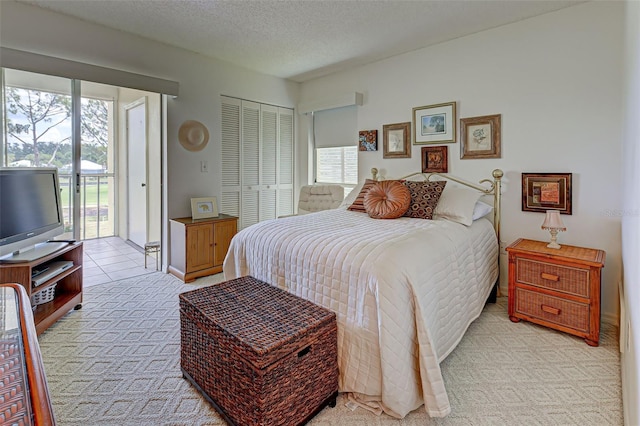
[{"x": 68, "y": 291}]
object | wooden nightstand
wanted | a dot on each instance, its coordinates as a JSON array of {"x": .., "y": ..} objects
[
  {"x": 557, "y": 288},
  {"x": 198, "y": 246}
]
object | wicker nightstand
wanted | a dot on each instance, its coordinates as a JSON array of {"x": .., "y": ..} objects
[{"x": 557, "y": 288}]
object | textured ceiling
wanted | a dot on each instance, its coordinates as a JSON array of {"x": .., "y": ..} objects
[{"x": 301, "y": 40}]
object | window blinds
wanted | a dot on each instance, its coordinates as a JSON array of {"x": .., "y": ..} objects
[{"x": 335, "y": 127}]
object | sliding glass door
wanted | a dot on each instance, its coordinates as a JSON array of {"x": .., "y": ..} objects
[
  {"x": 51, "y": 122},
  {"x": 96, "y": 168}
]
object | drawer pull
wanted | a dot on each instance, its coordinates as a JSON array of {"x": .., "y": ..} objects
[
  {"x": 304, "y": 351},
  {"x": 550, "y": 310},
  {"x": 549, "y": 277}
]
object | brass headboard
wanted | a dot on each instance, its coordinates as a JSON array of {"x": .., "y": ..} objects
[{"x": 494, "y": 188}]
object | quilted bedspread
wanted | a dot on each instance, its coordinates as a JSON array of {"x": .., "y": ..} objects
[{"x": 404, "y": 291}]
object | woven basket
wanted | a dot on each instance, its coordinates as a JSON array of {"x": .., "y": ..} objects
[
  {"x": 15, "y": 404},
  {"x": 43, "y": 296},
  {"x": 261, "y": 355}
]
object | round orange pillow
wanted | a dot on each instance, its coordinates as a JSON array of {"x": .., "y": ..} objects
[{"x": 388, "y": 199}]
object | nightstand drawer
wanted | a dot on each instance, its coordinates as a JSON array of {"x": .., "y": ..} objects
[
  {"x": 553, "y": 309},
  {"x": 555, "y": 277}
]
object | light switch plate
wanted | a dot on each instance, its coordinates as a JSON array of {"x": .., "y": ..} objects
[{"x": 204, "y": 166}]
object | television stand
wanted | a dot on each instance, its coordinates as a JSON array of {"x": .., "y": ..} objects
[
  {"x": 35, "y": 253},
  {"x": 68, "y": 284}
]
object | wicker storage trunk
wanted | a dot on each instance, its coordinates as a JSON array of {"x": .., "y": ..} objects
[{"x": 260, "y": 355}]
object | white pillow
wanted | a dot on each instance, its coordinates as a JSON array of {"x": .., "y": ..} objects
[
  {"x": 481, "y": 210},
  {"x": 457, "y": 204},
  {"x": 351, "y": 197}
]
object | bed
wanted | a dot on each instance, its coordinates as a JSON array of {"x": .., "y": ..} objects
[{"x": 404, "y": 291}]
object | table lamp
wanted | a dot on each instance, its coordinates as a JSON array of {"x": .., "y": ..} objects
[{"x": 553, "y": 223}]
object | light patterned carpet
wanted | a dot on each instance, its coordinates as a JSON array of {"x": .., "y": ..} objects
[{"x": 117, "y": 362}]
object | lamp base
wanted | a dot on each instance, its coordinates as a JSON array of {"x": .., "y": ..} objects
[{"x": 554, "y": 239}]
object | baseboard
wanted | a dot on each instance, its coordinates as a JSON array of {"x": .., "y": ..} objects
[{"x": 610, "y": 319}]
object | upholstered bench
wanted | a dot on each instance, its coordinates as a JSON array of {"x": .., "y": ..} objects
[{"x": 259, "y": 354}]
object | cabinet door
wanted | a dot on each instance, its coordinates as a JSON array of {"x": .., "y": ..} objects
[
  {"x": 199, "y": 247},
  {"x": 224, "y": 232}
]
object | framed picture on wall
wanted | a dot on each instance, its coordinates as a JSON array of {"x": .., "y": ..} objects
[
  {"x": 434, "y": 159},
  {"x": 434, "y": 124},
  {"x": 368, "y": 140},
  {"x": 480, "y": 137},
  {"x": 546, "y": 191},
  {"x": 395, "y": 142}
]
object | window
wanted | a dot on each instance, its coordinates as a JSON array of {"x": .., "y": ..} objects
[
  {"x": 336, "y": 149},
  {"x": 337, "y": 165}
]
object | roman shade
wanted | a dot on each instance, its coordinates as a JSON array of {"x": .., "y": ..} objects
[
  {"x": 49, "y": 65},
  {"x": 335, "y": 127}
]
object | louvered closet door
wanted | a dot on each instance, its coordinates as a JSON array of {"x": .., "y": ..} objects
[
  {"x": 230, "y": 200},
  {"x": 285, "y": 162},
  {"x": 268, "y": 161},
  {"x": 250, "y": 164},
  {"x": 257, "y": 161}
]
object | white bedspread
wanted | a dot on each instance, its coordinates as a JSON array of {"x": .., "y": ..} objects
[{"x": 404, "y": 291}]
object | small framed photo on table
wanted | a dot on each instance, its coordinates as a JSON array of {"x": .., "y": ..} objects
[
  {"x": 204, "y": 208},
  {"x": 546, "y": 191},
  {"x": 396, "y": 140}
]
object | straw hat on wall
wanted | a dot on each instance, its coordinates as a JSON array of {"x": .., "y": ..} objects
[{"x": 193, "y": 135}]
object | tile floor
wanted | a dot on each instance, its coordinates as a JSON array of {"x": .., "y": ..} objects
[{"x": 110, "y": 259}]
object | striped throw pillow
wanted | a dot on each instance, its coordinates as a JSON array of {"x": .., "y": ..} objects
[{"x": 358, "y": 204}]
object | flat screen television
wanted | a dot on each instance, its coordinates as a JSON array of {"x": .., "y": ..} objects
[{"x": 30, "y": 213}]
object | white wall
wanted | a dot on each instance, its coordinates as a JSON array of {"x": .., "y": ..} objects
[
  {"x": 202, "y": 81},
  {"x": 630, "y": 321},
  {"x": 556, "y": 80}
]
